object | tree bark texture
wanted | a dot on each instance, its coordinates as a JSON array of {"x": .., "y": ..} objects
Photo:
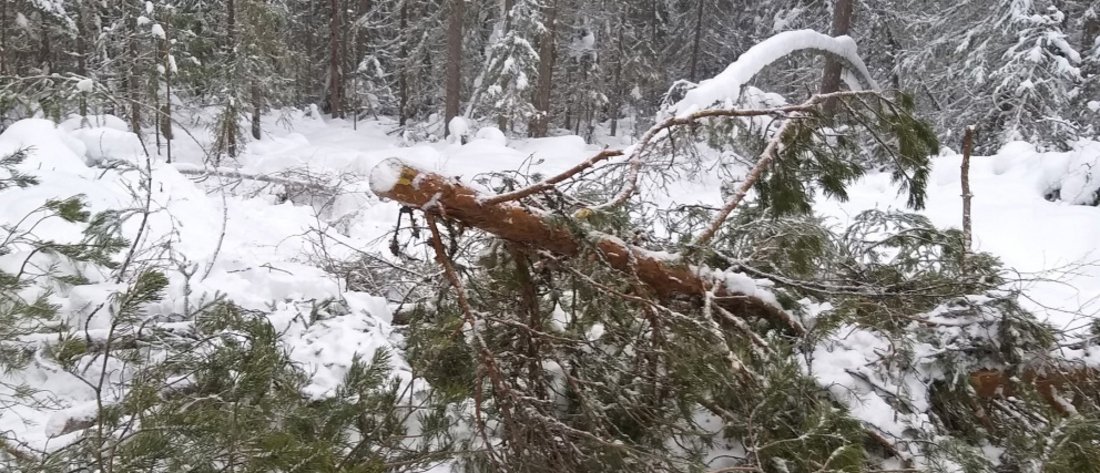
[
  {"x": 667, "y": 278},
  {"x": 830, "y": 80},
  {"x": 540, "y": 125},
  {"x": 336, "y": 60},
  {"x": 454, "y": 63}
]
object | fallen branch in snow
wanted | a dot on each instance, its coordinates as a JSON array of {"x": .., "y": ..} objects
[
  {"x": 253, "y": 177},
  {"x": 669, "y": 279}
]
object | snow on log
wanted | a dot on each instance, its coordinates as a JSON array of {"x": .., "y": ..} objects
[
  {"x": 668, "y": 278},
  {"x": 726, "y": 86}
]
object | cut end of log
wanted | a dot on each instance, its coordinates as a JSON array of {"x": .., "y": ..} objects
[{"x": 389, "y": 174}]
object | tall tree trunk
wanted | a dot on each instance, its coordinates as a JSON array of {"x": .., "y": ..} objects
[
  {"x": 893, "y": 52},
  {"x": 4, "y": 38},
  {"x": 230, "y": 26},
  {"x": 362, "y": 45},
  {"x": 540, "y": 125},
  {"x": 403, "y": 64},
  {"x": 617, "y": 86},
  {"x": 336, "y": 61},
  {"x": 695, "y": 41},
  {"x": 166, "y": 111},
  {"x": 130, "y": 80},
  {"x": 81, "y": 51},
  {"x": 257, "y": 108},
  {"x": 230, "y": 123},
  {"x": 830, "y": 81},
  {"x": 503, "y": 121},
  {"x": 454, "y": 63}
]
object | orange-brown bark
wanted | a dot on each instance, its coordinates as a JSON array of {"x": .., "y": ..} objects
[
  {"x": 1060, "y": 387},
  {"x": 667, "y": 278}
]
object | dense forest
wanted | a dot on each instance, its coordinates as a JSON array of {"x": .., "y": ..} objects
[
  {"x": 1020, "y": 69},
  {"x": 529, "y": 236}
]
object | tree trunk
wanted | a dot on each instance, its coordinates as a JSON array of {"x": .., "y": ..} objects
[
  {"x": 362, "y": 45},
  {"x": 81, "y": 51},
  {"x": 230, "y": 119},
  {"x": 257, "y": 108},
  {"x": 336, "y": 61},
  {"x": 617, "y": 85},
  {"x": 403, "y": 61},
  {"x": 130, "y": 81},
  {"x": 166, "y": 112},
  {"x": 668, "y": 278},
  {"x": 454, "y": 63},
  {"x": 695, "y": 42},
  {"x": 548, "y": 55},
  {"x": 230, "y": 26},
  {"x": 830, "y": 81},
  {"x": 4, "y": 38},
  {"x": 967, "y": 146}
]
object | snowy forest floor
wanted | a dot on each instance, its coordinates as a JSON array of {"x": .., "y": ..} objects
[{"x": 241, "y": 240}]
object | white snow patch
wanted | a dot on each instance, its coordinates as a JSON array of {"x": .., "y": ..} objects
[
  {"x": 85, "y": 85},
  {"x": 458, "y": 128},
  {"x": 386, "y": 175},
  {"x": 493, "y": 135},
  {"x": 726, "y": 87}
]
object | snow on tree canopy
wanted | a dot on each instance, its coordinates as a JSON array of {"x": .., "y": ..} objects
[{"x": 726, "y": 86}]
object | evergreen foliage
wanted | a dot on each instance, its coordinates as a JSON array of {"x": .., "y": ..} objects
[{"x": 527, "y": 361}]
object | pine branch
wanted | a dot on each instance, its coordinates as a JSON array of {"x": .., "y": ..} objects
[{"x": 660, "y": 130}]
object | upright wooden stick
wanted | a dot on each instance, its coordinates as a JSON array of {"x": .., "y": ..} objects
[{"x": 968, "y": 145}]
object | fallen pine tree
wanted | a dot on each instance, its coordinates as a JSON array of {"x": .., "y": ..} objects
[
  {"x": 1063, "y": 387},
  {"x": 570, "y": 349},
  {"x": 668, "y": 277}
]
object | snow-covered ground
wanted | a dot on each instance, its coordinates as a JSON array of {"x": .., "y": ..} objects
[{"x": 260, "y": 252}]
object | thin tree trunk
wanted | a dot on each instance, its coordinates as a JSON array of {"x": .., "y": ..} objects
[
  {"x": 454, "y": 63},
  {"x": 830, "y": 81},
  {"x": 403, "y": 74},
  {"x": 230, "y": 128},
  {"x": 257, "y": 108},
  {"x": 968, "y": 145},
  {"x": 506, "y": 6},
  {"x": 231, "y": 25},
  {"x": 362, "y": 45},
  {"x": 130, "y": 78},
  {"x": 336, "y": 61},
  {"x": 4, "y": 38},
  {"x": 81, "y": 51},
  {"x": 894, "y": 51},
  {"x": 166, "y": 112},
  {"x": 695, "y": 42},
  {"x": 45, "y": 54},
  {"x": 617, "y": 86},
  {"x": 540, "y": 125}
]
